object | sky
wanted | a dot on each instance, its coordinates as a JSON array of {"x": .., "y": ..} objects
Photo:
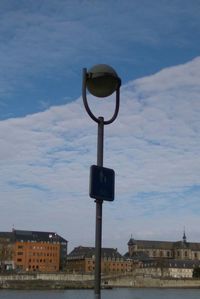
[{"x": 48, "y": 142}]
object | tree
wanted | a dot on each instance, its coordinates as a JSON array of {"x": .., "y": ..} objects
[
  {"x": 5, "y": 253},
  {"x": 196, "y": 272}
]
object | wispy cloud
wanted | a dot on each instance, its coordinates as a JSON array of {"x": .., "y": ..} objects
[{"x": 153, "y": 147}]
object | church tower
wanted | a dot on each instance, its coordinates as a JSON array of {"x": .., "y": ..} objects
[{"x": 184, "y": 237}]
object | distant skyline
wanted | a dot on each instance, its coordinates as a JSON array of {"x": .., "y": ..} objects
[{"x": 48, "y": 142}]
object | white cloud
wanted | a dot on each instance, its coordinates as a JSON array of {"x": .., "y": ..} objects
[{"x": 153, "y": 146}]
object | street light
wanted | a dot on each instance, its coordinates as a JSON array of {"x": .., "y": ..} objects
[{"x": 101, "y": 81}]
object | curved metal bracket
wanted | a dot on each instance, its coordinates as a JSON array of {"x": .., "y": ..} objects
[{"x": 84, "y": 95}]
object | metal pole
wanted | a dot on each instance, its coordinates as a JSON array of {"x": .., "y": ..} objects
[
  {"x": 99, "y": 203},
  {"x": 100, "y": 140}
]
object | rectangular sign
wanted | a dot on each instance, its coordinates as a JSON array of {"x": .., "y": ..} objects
[{"x": 102, "y": 183}]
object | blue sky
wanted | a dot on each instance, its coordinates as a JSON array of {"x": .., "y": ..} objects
[
  {"x": 45, "y": 44},
  {"x": 48, "y": 142}
]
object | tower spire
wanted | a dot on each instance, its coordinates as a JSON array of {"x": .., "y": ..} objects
[{"x": 184, "y": 236}]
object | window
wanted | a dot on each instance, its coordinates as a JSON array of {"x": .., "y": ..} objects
[
  {"x": 20, "y": 253},
  {"x": 19, "y": 260}
]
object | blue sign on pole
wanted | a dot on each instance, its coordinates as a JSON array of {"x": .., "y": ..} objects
[{"x": 102, "y": 183}]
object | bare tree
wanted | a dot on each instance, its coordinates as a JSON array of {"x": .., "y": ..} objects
[{"x": 5, "y": 253}]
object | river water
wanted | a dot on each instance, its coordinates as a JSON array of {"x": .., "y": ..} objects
[{"x": 106, "y": 294}]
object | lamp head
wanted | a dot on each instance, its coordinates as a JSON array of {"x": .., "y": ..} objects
[{"x": 102, "y": 80}]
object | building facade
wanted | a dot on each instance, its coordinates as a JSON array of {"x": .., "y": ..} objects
[
  {"x": 168, "y": 268},
  {"x": 37, "y": 256}
]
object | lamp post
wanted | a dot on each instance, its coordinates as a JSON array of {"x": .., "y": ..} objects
[{"x": 101, "y": 81}]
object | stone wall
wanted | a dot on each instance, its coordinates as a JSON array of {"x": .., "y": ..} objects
[
  {"x": 46, "y": 281},
  {"x": 64, "y": 281},
  {"x": 148, "y": 282}
]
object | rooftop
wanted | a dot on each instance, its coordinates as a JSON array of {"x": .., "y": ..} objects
[
  {"x": 89, "y": 252},
  {"x": 37, "y": 236}
]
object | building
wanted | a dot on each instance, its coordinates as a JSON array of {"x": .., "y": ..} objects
[
  {"x": 82, "y": 260},
  {"x": 164, "y": 258},
  {"x": 181, "y": 250},
  {"x": 35, "y": 251},
  {"x": 168, "y": 268}
]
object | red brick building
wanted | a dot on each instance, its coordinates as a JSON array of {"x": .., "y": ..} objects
[
  {"x": 82, "y": 260},
  {"x": 34, "y": 251}
]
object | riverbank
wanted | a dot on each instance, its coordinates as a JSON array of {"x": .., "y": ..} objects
[{"x": 39, "y": 281}]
